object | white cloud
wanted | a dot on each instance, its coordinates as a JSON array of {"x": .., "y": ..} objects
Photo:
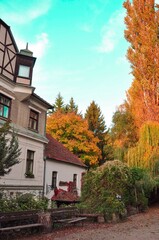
[
  {"x": 39, "y": 47},
  {"x": 108, "y": 42},
  {"x": 23, "y": 13},
  {"x": 111, "y": 33}
]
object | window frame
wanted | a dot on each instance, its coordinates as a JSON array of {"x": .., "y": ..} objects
[
  {"x": 30, "y": 163},
  {"x": 54, "y": 180},
  {"x": 33, "y": 120},
  {"x": 75, "y": 179},
  {"x": 5, "y": 105}
]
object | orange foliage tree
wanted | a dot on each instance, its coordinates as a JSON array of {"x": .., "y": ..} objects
[
  {"x": 72, "y": 131},
  {"x": 142, "y": 22}
]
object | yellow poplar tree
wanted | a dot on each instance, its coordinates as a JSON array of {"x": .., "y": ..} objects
[{"x": 142, "y": 21}]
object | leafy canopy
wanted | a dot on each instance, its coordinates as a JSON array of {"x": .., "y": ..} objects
[
  {"x": 114, "y": 186},
  {"x": 141, "y": 32},
  {"x": 123, "y": 131},
  {"x": 72, "y": 131},
  {"x": 146, "y": 152}
]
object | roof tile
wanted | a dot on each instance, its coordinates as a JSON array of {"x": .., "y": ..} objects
[{"x": 56, "y": 151}]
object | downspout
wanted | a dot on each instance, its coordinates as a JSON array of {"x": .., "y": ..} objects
[{"x": 44, "y": 176}]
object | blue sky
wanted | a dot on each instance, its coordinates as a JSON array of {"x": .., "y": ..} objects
[{"x": 80, "y": 49}]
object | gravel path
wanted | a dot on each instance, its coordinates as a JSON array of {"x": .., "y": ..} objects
[{"x": 143, "y": 226}]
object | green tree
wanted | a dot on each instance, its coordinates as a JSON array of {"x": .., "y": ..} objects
[
  {"x": 59, "y": 104},
  {"x": 97, "y": 125},
  {"x": 114, "y": 186},
  {"x": 95, "y": 119},
  {"x": 123, "y": 131},
  {"x": 9, "y": 149},
  {"x": 72, "y": 107},
  {"x": 146, "y": 152}
]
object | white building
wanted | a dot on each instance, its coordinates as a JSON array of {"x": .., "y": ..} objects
[
  {"x": 27, "y": 113},
  {"x": 61, "y": 167}
]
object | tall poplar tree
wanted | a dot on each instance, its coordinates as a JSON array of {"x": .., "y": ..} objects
[{"x": 142, "y": 21}]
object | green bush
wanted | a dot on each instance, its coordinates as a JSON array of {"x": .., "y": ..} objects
[
  {"x": 22, "y": 203},
  {"x": 113, "y": 187}
]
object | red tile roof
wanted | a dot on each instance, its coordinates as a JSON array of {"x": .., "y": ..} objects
[{"x": 56, "y": 151}]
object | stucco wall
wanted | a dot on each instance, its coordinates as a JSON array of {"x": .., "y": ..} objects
[
  {"x": 20, "y": 113},
  {"x": 64, "y": 173},
  {"x": 17, "y": 176}
]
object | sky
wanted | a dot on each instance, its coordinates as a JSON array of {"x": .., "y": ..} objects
[{"x": 79, "y": 46}]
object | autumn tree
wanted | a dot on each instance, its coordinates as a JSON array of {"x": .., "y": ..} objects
[
  {"x": 97, "y": 125},
  {"x": 142, "y": 21},
  {"x": 72, "y": 131},
  {"x": 124, "y": 132},
  {"x": 146, "y": 152},
  {"x": 9, "y": 149}
]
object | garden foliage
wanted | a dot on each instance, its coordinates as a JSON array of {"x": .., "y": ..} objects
[
  {"x": 22, "y": 203},
  {"x": 113, "y": 187}
]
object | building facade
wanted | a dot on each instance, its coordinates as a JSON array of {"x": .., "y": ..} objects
[
  {"x": 62, "y": 167},
  {"x": 26, "y": 112}
]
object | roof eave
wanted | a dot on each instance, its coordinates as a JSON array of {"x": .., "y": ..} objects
[{"x": 64, "y": 161}]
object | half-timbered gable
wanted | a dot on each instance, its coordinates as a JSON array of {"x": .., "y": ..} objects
[{"x": 8, "y": 51}]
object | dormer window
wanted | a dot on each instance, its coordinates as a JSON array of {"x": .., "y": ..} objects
[
  {"x": 33, "y": 120},
  {"x": 5, "y": 104},
  {"x": 24, "y": 71},
  {"x": 24, "y": 67}
]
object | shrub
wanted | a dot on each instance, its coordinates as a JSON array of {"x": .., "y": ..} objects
[
  {"x": 23, "y": 202},
  {"x": 113, "y": 187}
]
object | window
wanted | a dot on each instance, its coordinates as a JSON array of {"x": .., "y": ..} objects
[
  {"x": 5, "y": 104},
  {"x": 29, "y": 164},
  {"x": 33, "y": 121},
  {"x": 75, "y": 179},
  {"x": 24, "y": 71},
  {"x": 54, "y": 180}
]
